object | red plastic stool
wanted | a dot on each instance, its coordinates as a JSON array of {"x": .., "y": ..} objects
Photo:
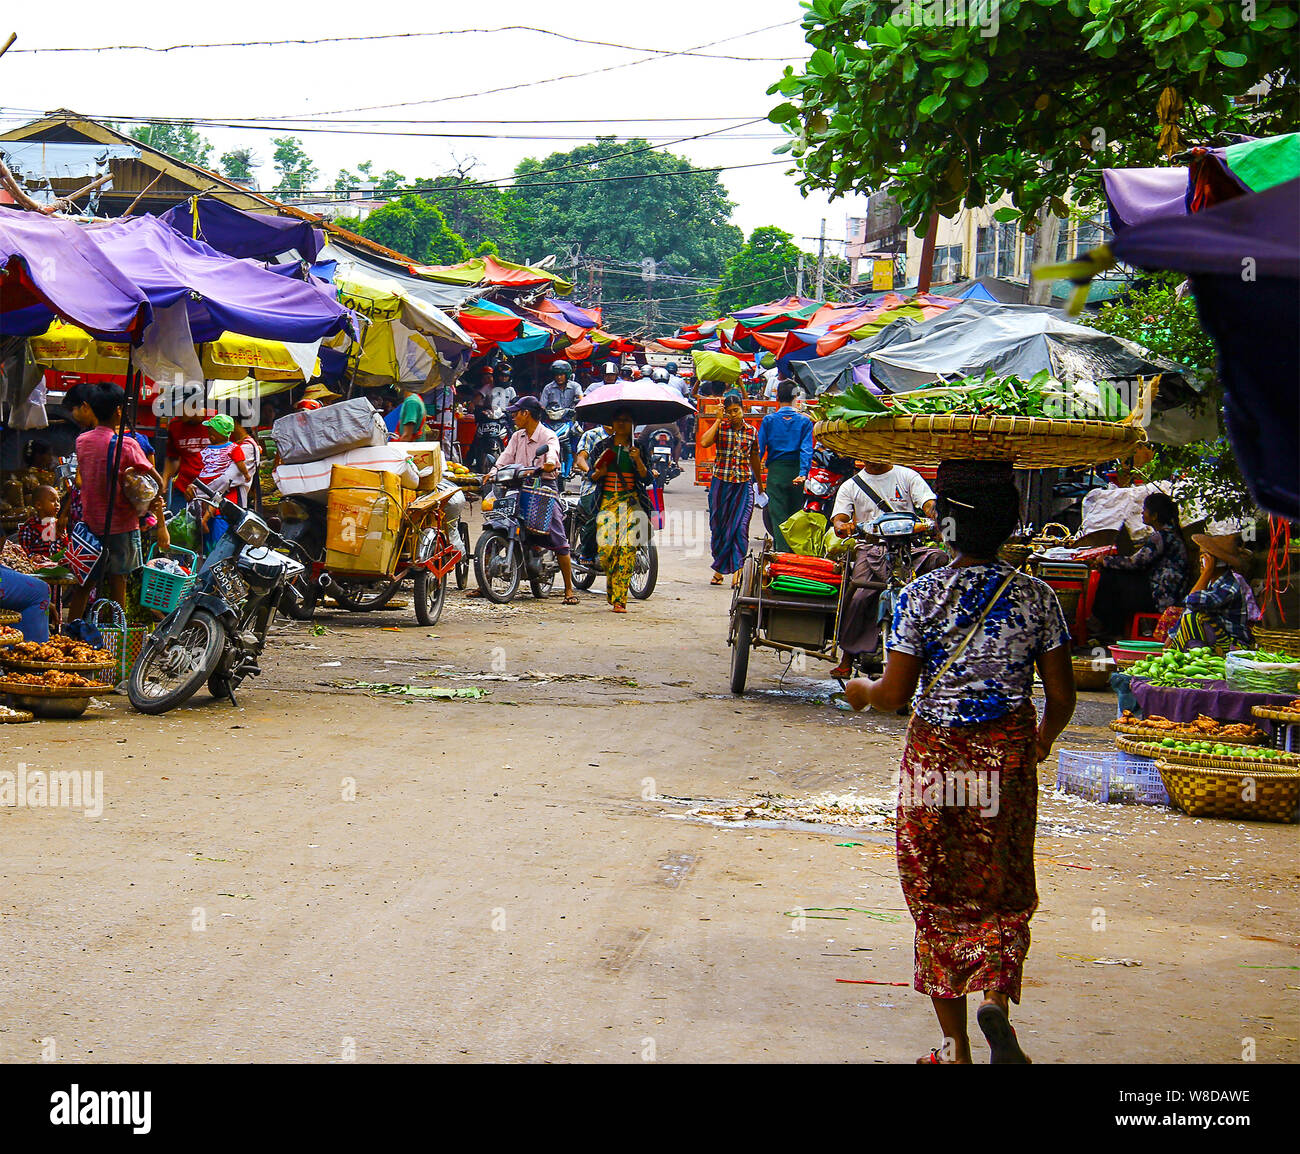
[{"x": 1142, "y": 626}]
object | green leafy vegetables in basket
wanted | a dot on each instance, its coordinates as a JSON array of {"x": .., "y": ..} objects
[
  {"x": 988, "y": 396},
  {"x": 1175, "y": 670}
]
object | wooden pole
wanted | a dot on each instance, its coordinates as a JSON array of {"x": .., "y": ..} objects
[
  {"x": 142, "y": 194},
  {"x": 9, "y": 43}
]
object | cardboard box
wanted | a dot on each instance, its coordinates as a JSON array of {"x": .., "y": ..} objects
[
  {"x": 426, "y": 455},
  {"x": 363, "y": 521},
  {"x": 312, "y": 480}
]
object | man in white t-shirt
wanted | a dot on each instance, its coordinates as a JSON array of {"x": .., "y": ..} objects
[
  {"x": 903, "y": 489},
  {"x": 863, "y": 498}
]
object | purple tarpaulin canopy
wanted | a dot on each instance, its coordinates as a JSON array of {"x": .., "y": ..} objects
[
  {"x": 53, "y": 269},
  {"x": 1137, "y": 195},
  {"x": 244, "y": 234},
  {"x": 1243, "y": 258},
  {"x": 222, "y": 294}
]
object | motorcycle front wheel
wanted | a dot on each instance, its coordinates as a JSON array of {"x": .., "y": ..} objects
[
  {"x": 166, "y": 675},
  {"x": 499, "y": 583}
]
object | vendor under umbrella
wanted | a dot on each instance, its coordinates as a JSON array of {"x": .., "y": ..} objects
[
  {"x": 1152, "y": 579},
  {"x": 1220, "y": 606}
]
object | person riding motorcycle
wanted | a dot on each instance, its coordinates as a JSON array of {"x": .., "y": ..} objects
[
  {"x": 608, "y": 373},
  {"x": 675, "y": 381},
  {"x": 529, "y": 436},
  {"x": 878, "y": 487},
  {"x": 563, "y": 392}
]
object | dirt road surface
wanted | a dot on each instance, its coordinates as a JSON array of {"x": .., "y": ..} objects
[{"x": 324, "y": 874}]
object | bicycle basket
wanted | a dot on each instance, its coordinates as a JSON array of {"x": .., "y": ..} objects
[{"x": 536, "y": 507}]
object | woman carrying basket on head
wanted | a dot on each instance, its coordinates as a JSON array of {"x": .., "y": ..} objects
[
  {"x": 736, "y": 476},
  {"x": 971, "y": 635}
]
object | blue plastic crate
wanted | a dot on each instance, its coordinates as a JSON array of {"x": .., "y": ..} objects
[{"x": 1109, "y": 775}]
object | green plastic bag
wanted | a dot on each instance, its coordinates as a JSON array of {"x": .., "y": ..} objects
[
  {"x": 805, "y": 532},
  {"x": 184, "y": 530}
]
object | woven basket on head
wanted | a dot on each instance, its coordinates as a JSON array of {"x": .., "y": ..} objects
[
  {"x": 1088, "y": 675},
  {"x": 1027, "y": 442},
  {"x": 1256, "y": 796}
]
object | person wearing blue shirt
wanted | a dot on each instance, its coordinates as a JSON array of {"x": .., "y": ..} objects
[{"x": 785, "y": 442}]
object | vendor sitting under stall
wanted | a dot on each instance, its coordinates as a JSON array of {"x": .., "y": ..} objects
[
  {"x": 1150, "y": 580},
  {"x": 1220, "y": 606},
  {"x": 30, "y": 598}
]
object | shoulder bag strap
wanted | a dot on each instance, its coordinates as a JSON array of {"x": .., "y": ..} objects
[
  {"x": 881, "y": 504},
  {"x": 979, "y": 623}
]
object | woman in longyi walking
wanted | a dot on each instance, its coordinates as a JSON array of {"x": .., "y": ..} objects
[{"x": 971, "y": 635}]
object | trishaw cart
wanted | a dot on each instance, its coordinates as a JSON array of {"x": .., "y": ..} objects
[
  {"x": 377, "y": 537},
  {"x": 793, "y": 623}
]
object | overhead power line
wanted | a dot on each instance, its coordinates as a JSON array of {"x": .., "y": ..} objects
[
  {"x": 555, "y": 79},
  {"x": 409, "y": 36},
  {"x": 425, "y": 190}
]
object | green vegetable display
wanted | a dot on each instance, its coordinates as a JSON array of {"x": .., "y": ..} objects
[
  {"x": 1176, "y": 670},
  {"x": 1219, "y": 749},
  {"x": 1259, "y": 672},
  {"x": 987, "y": 396}
]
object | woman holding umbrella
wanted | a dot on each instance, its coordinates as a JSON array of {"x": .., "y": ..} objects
[
  {"x": 736, "y": 476},
  {"x": 623, "y": 522}
]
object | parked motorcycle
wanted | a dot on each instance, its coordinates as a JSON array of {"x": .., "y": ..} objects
[
  {"x": 217, "y": 632},
  {"x": 564, "y": 424},
  {"x": 507, "y": 551},
  {"x": 826, "y": 474}
]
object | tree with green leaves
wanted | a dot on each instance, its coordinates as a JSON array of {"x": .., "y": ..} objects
[
  {"x": 481, "y": 215},
  {"x": 180, "y": 140},
  {"x": 239, "y": 163},
  {"x": 387, "y": 181},
  {"x": 766, "y": 267},
  {"x": 294, "y": 166},
  {"x": 954, "y": 105},
  {"x": 598, "y": 200},
  {"x": 416, "y": 228}
]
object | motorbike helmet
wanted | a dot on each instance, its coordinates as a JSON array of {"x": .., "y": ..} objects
[
  {"x": 660, "y": 376},
  {"x": 305, "y": 405},
  {"x": 671, "y": 368},
  {"x": 562, "y": 367},
  {"x": 609, "y": 369}
]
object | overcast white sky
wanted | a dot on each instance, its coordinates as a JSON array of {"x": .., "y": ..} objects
[{"x": 283, "y": 81}]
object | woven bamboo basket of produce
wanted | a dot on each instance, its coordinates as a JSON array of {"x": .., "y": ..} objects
[
  {"x": 1015, "y": 553},
  {"x": 64, "y": 666},
  {"x": 1027, "y": 442},
  {"x": 10, "y": 636},
  {"x": 1255, "y": 796},
  {"x": 8, "y": 618},
  {"x": 1268, "y": 713},
  {"x": 15, "y": 716},
  {"x": 1278, "y": 641},
  {"x": 1089, "y": 673},
  {"x": 1144, "y": 732},
  {"x": 1261, "y": 757}
]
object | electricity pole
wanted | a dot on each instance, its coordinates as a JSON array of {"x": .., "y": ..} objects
[
  {"x": 798, "y": 288},
  {"x": 821, "y": 261}
]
